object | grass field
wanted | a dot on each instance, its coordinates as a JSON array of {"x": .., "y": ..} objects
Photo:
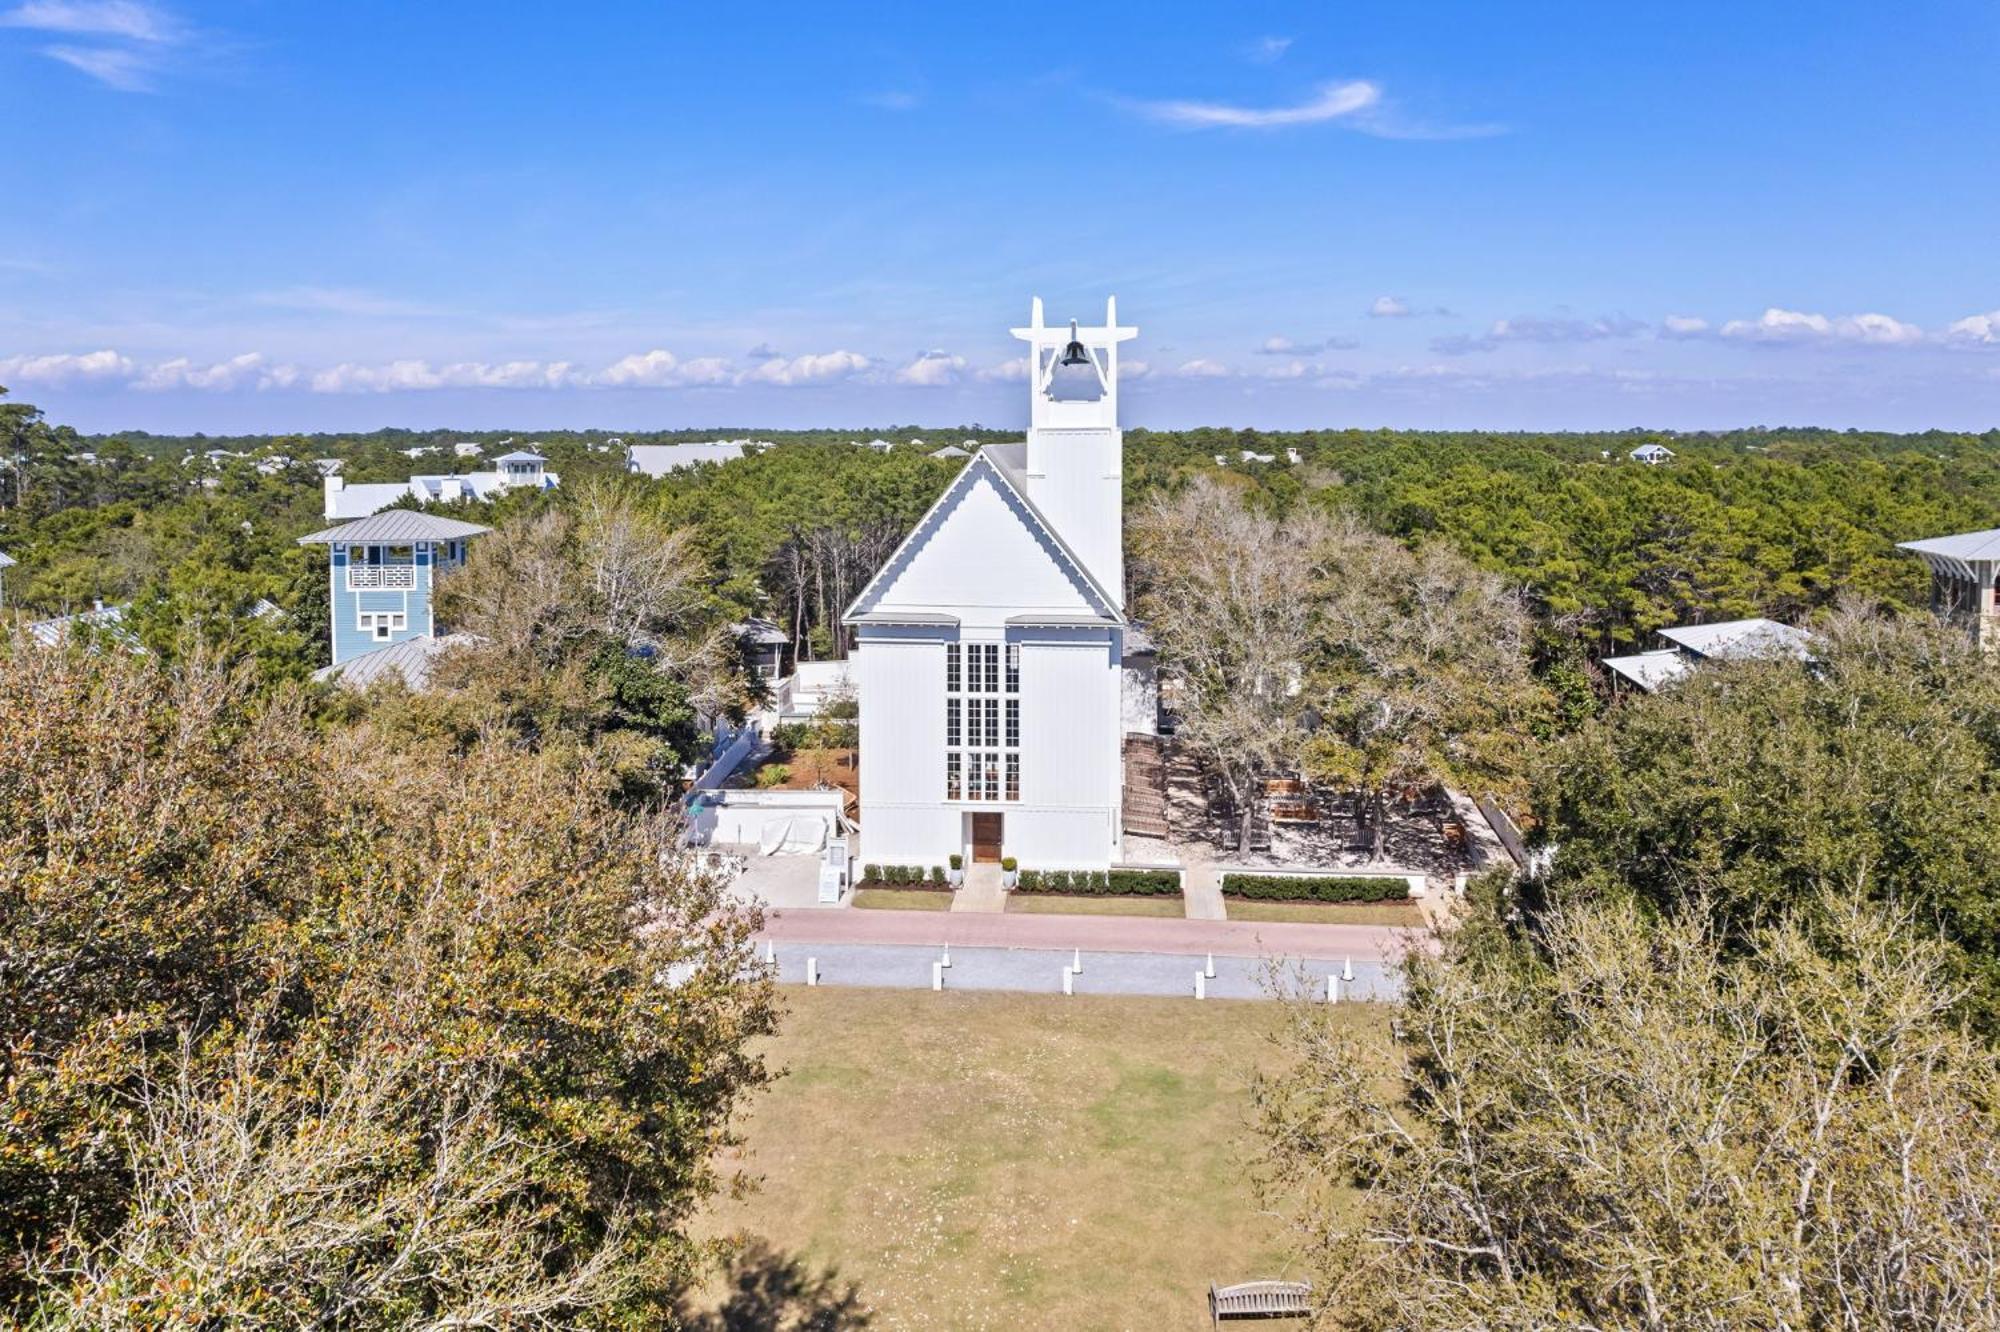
[
  {"x": 902, "y": 899},
  {"x": 1005, "y": 1161},
  {"x": 1054, "y": 905},
  {"x": 1328, "y": 913}
]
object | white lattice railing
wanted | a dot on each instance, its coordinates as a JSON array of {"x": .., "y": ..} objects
[{"x": 365, "y": 577}]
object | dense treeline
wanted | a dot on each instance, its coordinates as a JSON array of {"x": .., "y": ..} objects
[{"x": 1765, "y": 521}]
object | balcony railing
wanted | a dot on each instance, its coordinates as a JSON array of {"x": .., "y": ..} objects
[{"x": 367, "y": 577}]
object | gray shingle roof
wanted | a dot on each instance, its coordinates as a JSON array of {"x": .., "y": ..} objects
[{"x": 394, "y": 527}]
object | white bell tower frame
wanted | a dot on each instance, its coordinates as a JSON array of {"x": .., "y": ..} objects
[{"x": 1076, "y": 450}]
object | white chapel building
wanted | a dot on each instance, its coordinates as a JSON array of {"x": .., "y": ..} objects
[{"x": 992, "y": 659}]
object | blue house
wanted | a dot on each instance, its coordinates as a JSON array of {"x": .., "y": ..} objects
[{"x": 382, "y": 568}]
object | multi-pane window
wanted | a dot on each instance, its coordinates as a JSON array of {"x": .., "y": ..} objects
[
  {"x": 379, "y": 625},
  {"x": 982, "y": 740}
]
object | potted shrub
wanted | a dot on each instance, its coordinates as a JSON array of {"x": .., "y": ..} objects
[
  {"x": 957, "y": 869},
  {"x": 1010, "y": 871},
  {"x": 937, "y": 876}
]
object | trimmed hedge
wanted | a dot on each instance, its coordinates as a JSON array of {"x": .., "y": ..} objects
[
  {"x": 1118, "y": 882},
  {"x": 903, "y": 876},
  {"x": 1314, "y": 888}
]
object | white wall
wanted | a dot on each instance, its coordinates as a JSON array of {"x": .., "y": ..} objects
[
  {"x": 983, "y": 563},
  {"x": 900, "y": 674}
]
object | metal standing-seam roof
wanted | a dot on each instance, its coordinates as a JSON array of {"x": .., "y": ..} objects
[
  {"x": 6, "y": 560},
  {"x": 410, "y": 659},
  {"x": 1741, "y": 638},
  {"x": 394, "y": 527}
]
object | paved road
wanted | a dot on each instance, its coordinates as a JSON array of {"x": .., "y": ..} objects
[
  {"x": 1115, "y": 934},
  {"x": 1039, "y": 971}
]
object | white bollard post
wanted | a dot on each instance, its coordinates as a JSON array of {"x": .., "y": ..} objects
[
  {"x": 947, "y": 955},
  {"x": 1069, "y": 981},
  {"x": 1332, "y": 988},
  {"x": 812, "y": 971},
  {"x": 1209, "y": 970},
  {"x": 1076, "y": 961},
  {"x": 1200, "y": 986},
  {"x": 937, "y": 975},
  {"x": 1347, "y": 970}
]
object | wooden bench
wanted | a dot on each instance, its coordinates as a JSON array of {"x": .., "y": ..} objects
[{"x": 1259, "y": 1299}]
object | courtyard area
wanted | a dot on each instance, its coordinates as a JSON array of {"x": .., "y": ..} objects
[{"x": 997, "y": 1161}]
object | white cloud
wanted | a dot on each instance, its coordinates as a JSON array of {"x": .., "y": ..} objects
[
  {"x": 1533, "y": 329},
  {"x": 1389, "y": 307},
  {"x": 816, "y": 369},
  {"x": 1201, "y": 368},
  {"x": 112, "y": 66},
  {"x": 1980, "y": 329},
  {"x": 1014, "y": 371},
  {"x": 662, "y": 369},
  {"x": 1794, "y": 326},
  {"x": 236, "y": 372},
  {"x": 1683, "y": 326},
  {"x": 1267, "y": 50},
  {"x": 1278, "y": 345},
  {"x": 95, "y": 18},
  {"x": 1335, "y": 101},
  {"x": 65, "y": 368},
  {"x": 1289, "y": 370},
  {"x": 1129, "y": 370},
  {"x": 416, "y": 375},
  {"x": 932, "y": 369}
]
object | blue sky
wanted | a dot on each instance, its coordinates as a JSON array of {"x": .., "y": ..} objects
[{"x": 280, "y": 216}]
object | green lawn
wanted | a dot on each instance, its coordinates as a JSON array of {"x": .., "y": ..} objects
[
  {"x": 999, "y": 1161},
  {"x": 902, "y": 899},
  {"x": 1050, "y": 904},
  {"x": 1328, "y": 913}
]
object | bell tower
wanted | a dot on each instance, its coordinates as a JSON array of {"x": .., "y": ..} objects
[{"x": 1076, "y": 452}]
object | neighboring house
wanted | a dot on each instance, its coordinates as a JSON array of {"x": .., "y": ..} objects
[
  {"x": 657, "y": 460},
  {"x": 467, "y": 450},
  {"x": 6, "y": 563},
  {"x": 381, "y": 572},
  {"x": 992, "y": 644},
  {"x": 328, "y": 466},
  {"x": 1652, "y": 454},
  {"x": 764, "y": 645},
  {"x": 951, "y": 451},
  {"x": 1686, "y": 646},
  {"x": 1965, "y": 581},
  {"x": 522, "y": 469},
  {"x": 101, "y": 621},
  {"x": 811, "y": 686}
]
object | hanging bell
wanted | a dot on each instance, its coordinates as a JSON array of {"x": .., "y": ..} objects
[{"x": 1074, "y": 354}]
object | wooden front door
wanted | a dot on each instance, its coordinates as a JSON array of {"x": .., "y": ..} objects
[{"x": 986, "y": 837}]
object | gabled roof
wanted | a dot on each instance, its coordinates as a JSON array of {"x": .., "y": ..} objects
[
  {"x": 6, "y": 560},
  {"x": 1650, "y": 670},
  {"x": 1741, "y": 638},
  {"x": 410, "y": 659},
  {"x": 521, "y": 455},
  {"x": 1007, "y": 465},
  {"x": 394, "y": 527}
]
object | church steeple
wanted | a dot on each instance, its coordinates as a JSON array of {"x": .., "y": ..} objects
[{"x": 1075, "y": 447}]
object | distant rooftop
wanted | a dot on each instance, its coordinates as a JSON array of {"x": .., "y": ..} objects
[
  {"x": 394, "y": 527},
  {"x": 1965, "y": 548},
  {"x": 521, "y": 455},
  {"x": 1741, "y": 638},
  {"x": 6, "y": 560},
  {"x": 1650, "y": 670}
]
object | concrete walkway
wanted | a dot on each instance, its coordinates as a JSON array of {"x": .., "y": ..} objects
[
  {"x": 981, "y": 892},
  {"x": 1201, "y": 885},
  {"x": 1039, "y": 971},
  {"x": 1111, "y": 934}
]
